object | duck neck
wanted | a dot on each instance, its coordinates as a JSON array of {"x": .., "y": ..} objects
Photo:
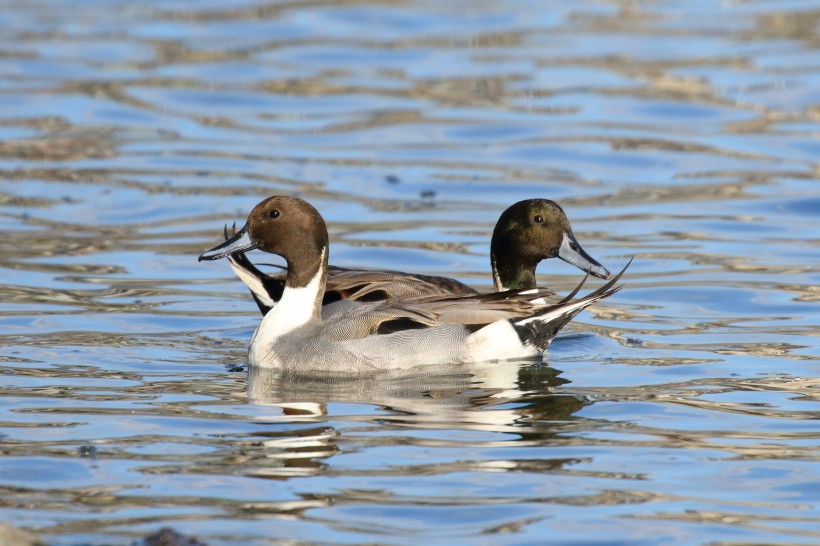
[
  {"x": 510, "y": 272},
  {"x": 301, "y": 301}
]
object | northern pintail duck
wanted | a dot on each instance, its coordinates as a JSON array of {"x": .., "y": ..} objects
[
  {"x": 401, "y": 332},
  {"x": 526, "y": 233}
]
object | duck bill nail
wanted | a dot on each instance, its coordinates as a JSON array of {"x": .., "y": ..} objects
[
  {"x": 572, "y": 252},
  {"x": 239, "y": 242}
]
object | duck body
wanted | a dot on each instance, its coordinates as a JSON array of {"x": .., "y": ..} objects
[
  {"x": 412, "y": 331},
  {"x": 408, "y": 332}
]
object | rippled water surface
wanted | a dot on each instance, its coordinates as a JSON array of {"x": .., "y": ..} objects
[{"x": 683, "y": 410}]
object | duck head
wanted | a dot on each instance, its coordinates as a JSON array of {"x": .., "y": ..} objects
[
  {"x": 528, "y": 232},
  {"x": 283, "y": 225}
]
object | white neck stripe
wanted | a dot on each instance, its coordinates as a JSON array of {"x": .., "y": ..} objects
[{"x": 298, "y": 307}]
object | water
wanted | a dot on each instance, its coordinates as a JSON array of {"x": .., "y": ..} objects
[{"x": 683, "y": 410}]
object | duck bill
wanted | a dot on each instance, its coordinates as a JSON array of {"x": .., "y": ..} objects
[
  {"x": 239, "y": 242},
  {"x": 571, "y": 252}
]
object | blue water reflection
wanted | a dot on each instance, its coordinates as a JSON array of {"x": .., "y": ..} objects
[{"x": 682, "y": 133}]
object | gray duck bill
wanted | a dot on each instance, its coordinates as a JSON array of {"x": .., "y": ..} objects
[
  {"x": 572, "y": 252},
  {"x": 239, "y": 242}
]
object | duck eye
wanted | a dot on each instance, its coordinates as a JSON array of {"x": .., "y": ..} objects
[
  {"x": 273, "y": 214},
  {"x": 538, "y": 218}
]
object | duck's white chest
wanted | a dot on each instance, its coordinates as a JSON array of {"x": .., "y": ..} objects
[
  {"x": 290, "y": 322},
  {"x": 274, "y": 345}
]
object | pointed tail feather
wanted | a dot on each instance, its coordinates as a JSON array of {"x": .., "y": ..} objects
[
  {"x": 574, "y": 292},
  {"x": 539, "y": 330}
]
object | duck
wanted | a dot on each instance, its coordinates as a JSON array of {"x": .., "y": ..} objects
[
  {"x": 526, "y": 233},
  {"x": 395, "y": 333}
]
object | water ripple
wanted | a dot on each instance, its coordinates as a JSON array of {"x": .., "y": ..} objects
[{"x": 682, "y": 134}]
